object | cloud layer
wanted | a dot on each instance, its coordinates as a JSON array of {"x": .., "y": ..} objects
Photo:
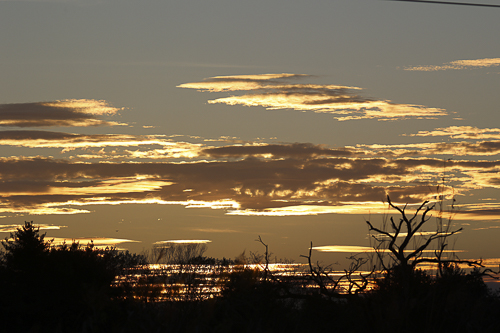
[
  {"x": 274, "y": 91},
  {"x": 251, "y": 179},
  {"x": 242, "y": 178}
]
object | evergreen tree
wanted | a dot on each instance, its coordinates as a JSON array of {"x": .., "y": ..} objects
[{"x": 25, "y": 249}]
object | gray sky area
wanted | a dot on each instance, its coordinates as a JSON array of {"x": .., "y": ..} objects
[{"x": 135, "y": 122}]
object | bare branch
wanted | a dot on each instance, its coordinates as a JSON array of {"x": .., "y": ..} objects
[
  {"x": 470, "y": 263},
  {"x": 266, "y": 256},
  {"x": 378, "y": 230}
]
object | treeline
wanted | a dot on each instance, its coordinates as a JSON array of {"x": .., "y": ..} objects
[
  {"x": 57, "y": 288},
  {"x": 79, "y": 288}
]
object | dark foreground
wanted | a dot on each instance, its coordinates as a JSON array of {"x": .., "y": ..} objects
[
  {"x": 73, "y": 289},
  {"x": 56, "y": 301}
]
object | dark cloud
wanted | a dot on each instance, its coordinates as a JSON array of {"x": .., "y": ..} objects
[
  {"x": 252, "y": 182},
  {"x": 463, "y": 148},
  {"x": 296, "y": 150},
  {"x": 57, "y": 113},
  {"x": 243, "y": 177},
  {"x": 36, "y": 135}
]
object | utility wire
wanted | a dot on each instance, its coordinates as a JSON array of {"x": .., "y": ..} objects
[{"x": 452, "y": 3}]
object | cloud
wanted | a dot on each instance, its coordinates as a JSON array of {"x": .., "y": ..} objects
[
  {"x": 475, "y": 142},
  {"x": 242, "y": 177},
  {"x": 487, "y": 228},
  {"x": 99, "y": 242},
  {"x": 184, "y": 241},
  {"x": 358, "y": 249},
  {"x": 273, "y": 92},
  {"x": 74, "y": 112},
  {"x": 417, "y": 234},
  {"x": 479, "y": 212},
  {"x": 457, "y": 64},
  {"x": 239, "y": 82},
  {"x": 464, "y": 148},
  {"x": 70, "y": 141},
  {"x": 307, "y": 210},
  {"x": 462, "y": 132},
  {"x": 294, "y": 179},
  {"x": 14, "y": 227},
  {"x": 343, "y": 248},
  {"x": 295, "y": 150},
  {"x": 121, "y": 146}
]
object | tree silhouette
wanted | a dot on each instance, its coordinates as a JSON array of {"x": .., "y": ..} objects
[
  {"x": 406, "y": 252},
  {"x": 405, "y": 292},
  {"x": 70, "y": 288},
  {"x": 42, "y": 285},
  {"x": 25, "y": 249}
]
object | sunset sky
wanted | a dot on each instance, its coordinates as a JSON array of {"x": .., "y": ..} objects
[{"x": 138, "y": 122}]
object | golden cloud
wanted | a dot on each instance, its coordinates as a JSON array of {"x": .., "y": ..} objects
[
  {"x": 46, "y": 139},
  {"x": 14, "y": 227},
  {"x": 184, "y": 241},
  {"x": 341, "y": 101},
  {"x": 358, "y": 249},
  {"x": 464, "y": 148},
  {"x": 99, "y": 242},
  {"x": 458, "y": 64},
  {"x": 237, "y": 82},
  {"x": 311, "y": 209},
  {"x": 69, "y": 141},
  {"x": 243, "y": 179},
  {"x": 462, "y": 132},
  {"x": 343, "y": 248}
]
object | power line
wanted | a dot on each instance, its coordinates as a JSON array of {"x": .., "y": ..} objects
[{"x": 452, "y": 3}]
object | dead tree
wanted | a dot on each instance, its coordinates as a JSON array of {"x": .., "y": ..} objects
[
  {"x": 401, "y": 242},
  {"x": 267, "y": 257},
  {"x": 331, "y": 287}
]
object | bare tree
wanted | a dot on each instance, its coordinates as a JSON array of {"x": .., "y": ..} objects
[
  {"x": 331, "y": 286},
  {"x": 407, "y": 243}
]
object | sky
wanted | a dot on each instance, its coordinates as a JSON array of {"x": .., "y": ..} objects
[{"x": 140, "y": 122}]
